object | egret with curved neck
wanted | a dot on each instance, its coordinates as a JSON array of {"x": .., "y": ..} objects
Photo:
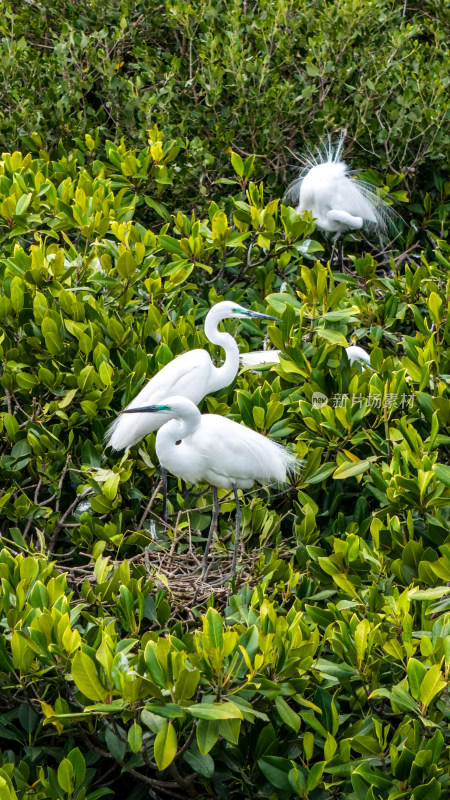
[
  {"x": 192, "y": 375},
  {"x": 207, "y": 447}
]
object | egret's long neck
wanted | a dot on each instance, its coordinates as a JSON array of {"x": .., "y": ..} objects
[
  {"x": 186, "y": 422},
  {"x": 225, "y": 374}
]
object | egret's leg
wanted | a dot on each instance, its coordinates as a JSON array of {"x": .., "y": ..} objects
[
  {"x": 340, "y": 254},
  {"x": 212, "y": 529},
  {"x": 165, "y": 514},
  {"x": 237, "y": 535},
  {"x": 332, "y": 253}
]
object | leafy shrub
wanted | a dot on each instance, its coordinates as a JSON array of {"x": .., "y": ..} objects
[
  {"x": 343, "y": 645},
  {"x": 323, "y": 672},
  {"x": 267, "y": 77}
]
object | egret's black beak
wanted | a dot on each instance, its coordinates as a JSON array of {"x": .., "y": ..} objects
[
  {"x": 143, "y": 410},
  {"x": 257, "y": 315}
]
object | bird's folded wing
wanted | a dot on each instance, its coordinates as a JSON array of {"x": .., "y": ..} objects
[{"x": 182, "y": 376}]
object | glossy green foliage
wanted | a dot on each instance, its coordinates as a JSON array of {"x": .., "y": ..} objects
[
  {"x": 264, "y": 76},
  {"x": 343, "y": 644},
  {"x": 324, "y": 671}
]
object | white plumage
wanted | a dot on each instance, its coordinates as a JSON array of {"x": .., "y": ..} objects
[
  {"x": 191, "y": 375},
  {"x": 356, "y": 353},
  {"x": 206, "y": 447},
  {"x": 338, "y": 201},
  {"x": 258, "y": 358}
]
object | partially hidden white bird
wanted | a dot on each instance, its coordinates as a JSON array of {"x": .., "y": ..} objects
[
  {"x": 207, "y": 447},
  {"x": 257, "y": 358},
  {"x": 192, "y": 375},
  {"x": 337, "y": 200}
]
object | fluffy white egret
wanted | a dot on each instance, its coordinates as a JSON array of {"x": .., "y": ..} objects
[
  {"x": 191, "y": 375},
  {"x": 258, "y": 358},
  {"x": 207, "y": 447},
  {"x": 337, "y": 200}
]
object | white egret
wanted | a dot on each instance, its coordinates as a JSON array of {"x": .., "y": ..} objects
[
  {"x": 207, "y": 447},
  {"x": 337, "y": 200},
  {"x": 257, "y": 358},
  {"x": 192, "y": 375}
]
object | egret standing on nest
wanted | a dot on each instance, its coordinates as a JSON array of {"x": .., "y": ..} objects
[
  {"x": 338, "y": 201},
  {"x": 207, "y": 447},
  {"x": 192, "y": 375}
]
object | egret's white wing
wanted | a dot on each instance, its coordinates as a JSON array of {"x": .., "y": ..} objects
[
  {"x": 187, "y": 375},
  {"x": 259, "y": 357},
  {"x": 233, "y": 453}
]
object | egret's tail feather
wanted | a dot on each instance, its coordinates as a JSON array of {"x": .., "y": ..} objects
[
  {"x": 386, "y": 216},
  {"x": 292, "y": 193},
  {"x": 294, "y": 466}
]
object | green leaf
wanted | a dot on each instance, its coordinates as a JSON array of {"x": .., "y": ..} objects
[
  {"x": 186, "y": 684},
  {"x": 432, "y": 684},
  {"x": 315, "y": 775},
  {"x": 126, "y": 264},
  {"x": 116, "y": 746},
  {"x": 212, "y": 630},
  {"x": 153, "y": 665},
  {"x": 350, "y": 468},
  {"x": 168, "y": 710},
  {"x": 332, "y": 336},
  {"x": 362, "y": 631},
  {"x": 84, "y": 674},
  {"x": 435, "y": 306},
  {"x": 276, "y": 770},
  {"x": 238, "y": 164},
  {"x": 53, "y": 342},
  {"x": 402, "y": 699},
  {"x": 170, "y": 244},
  {"x": 158, "y": 207},
  {"x": 135, "y": 737},
  {"x": 416, "y": 672},
  {"x": 230, "y": 729},
  {"x": 428, "y": 791},
  {"x": 203, "y": 764},
  {"x": 165, "y": 746},
  {"x": 330, "y": 747},
  {"x": 287, "y": 714},
  {"x": 279, "y": 301},
  {"x": 65, "y": 776},
  {"x": 79, "y": 765},
  {"x": 215, "y": 711},
  {"x": 207, "y": 735},
  {"x": 442, "y": 472},
  {"x": 111, "y": 486}
]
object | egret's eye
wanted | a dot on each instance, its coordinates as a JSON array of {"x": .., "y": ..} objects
[
  {"x": 237, "y": 310},
  {"x": 179, "y": 441}
]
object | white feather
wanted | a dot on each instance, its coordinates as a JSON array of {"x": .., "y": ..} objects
[
  {"x": 257, "y": 358},
  {"x": 337, "y": 200},
  {"x": 207, "y": 447}
]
